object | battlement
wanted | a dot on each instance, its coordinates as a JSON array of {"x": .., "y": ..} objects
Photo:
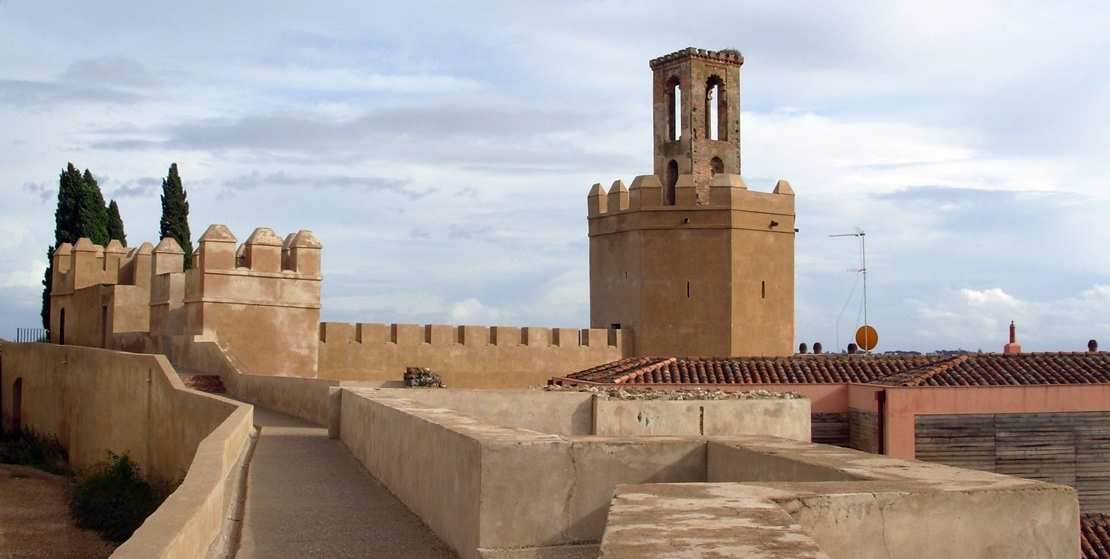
[
  {"x": 83, "y": 264},
  {"x": 465, "y": 356},
  {"x": 477, "y": 336},
  {"x": 264, "y": 253},
  {"x": 725, "y": 191},
  {"x": 730, "y": 57}
]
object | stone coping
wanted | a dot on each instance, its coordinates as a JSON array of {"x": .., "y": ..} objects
[{"x": 530, "y": 494}]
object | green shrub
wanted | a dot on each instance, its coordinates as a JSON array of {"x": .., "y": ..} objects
[
  {"x": 113, "y": 498},
  {"x": 29, "y": 448}
]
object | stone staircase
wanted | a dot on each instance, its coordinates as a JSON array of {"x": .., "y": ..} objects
[{"x": 202, "y": 382}]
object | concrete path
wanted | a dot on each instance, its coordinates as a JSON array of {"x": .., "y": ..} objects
[{"x": 307, "y": 496}]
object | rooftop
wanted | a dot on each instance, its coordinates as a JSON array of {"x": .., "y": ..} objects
[{"x": 969, "y": 369}]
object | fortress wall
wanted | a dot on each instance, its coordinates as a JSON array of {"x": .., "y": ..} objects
[
  {"x": 465, "y": 356},
  {"x": 262, "y": 299},
  {"x": 97, "y": 400}
]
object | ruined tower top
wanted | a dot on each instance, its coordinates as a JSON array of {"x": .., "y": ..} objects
[{"x": 696, "y": 100}]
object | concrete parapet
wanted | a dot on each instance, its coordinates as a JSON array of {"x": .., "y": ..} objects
[
  {"x": 484, "y": 485},
  {"x": 776, "y": 417}
]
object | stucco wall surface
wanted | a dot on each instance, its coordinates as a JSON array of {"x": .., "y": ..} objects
[
  {"x": 482, "y": 486},
  {"x": 840, "y": 504},
  {"x": 485, "y": 487},
  {"x": 556, "y": 413},
  {"x": 98, "y": 400},
  {"x": 785, "y": 418}
]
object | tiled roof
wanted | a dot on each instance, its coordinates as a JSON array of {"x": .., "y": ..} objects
[
  {"x": 1094, "y": 536},
  {"x": 971, "y": 369}
]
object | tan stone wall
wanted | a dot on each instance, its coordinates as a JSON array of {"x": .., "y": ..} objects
[
  {"x": 556, "y": 413},
  {"x": 97, "y": 400},
  {"x": 789, "y": 419},
  {"x": 483, "y": 486},
  {"x": 465, "y": 356}
]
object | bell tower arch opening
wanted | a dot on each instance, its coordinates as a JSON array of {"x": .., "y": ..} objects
[
  {"x": 674, "y": 111},
  {"x": 716, "y": 104},
  {"x": 696, "y": 95}
]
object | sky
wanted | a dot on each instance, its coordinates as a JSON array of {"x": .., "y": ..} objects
[{"x": 442, "y": 151}]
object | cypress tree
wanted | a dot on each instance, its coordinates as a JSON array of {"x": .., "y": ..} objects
[
  {"x": 175, "y": 214},
  {"x": 115, "y": 224},
  {"x": 80, "y": 213},
  {"x": 67, "y": 217},
  {"x": 93, "y": 212}
]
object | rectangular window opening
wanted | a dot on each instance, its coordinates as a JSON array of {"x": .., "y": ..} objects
[
  {"x": 687, "y": 290},
  {"x": 763, "y": 290}
]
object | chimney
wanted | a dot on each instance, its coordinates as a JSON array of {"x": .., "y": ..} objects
[
  {"x": 1092, "y": 346},
  {"x": 1013, "y": 347}
]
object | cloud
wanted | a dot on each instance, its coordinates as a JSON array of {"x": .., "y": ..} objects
[
  {"x": 138, "y": 188},
  {"x": 41, "y": 190},
  {"x": 473, "y": 311}
]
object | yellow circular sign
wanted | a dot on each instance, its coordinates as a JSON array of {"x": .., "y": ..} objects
[{"x": 867, "y": 338}]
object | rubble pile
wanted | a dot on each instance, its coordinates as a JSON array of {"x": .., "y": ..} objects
[
  {"x": 680, "y": 394},
  {"x": 422, "y": 377}
]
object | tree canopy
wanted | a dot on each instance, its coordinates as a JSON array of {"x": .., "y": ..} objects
[
  {"x": 80, "y": 213},
  {"x": 115, "y": 224},
  {"x": 175, "y": 214}
]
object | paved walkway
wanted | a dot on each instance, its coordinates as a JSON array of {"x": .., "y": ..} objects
[{"x": 307, "y": 496}]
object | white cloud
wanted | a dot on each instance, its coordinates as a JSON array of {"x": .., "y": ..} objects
[
  {"x": 993, "y": 297},
  {"x": 473, "y": 311},
  {"x": 445, "y": 171}
]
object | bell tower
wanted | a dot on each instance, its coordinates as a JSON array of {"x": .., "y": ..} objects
[
  {"x": 696, "y": 110},
  {"x": 688, "y": 261}
]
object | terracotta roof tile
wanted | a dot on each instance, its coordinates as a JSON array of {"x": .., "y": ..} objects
[
  {"x": 971, "y": 369},
  {"x": 1094, "y": 536}
]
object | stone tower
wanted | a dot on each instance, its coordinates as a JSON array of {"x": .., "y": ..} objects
[
  {"x": 688, "y": 259},
  {"x": 696, "y": 109}
]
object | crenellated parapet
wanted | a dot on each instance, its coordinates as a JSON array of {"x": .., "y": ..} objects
[
  {"x": 83, "y": 264},
  {"x": 264, "y": 252},
  {"x": 506, "y": 356},
  {"x": 726, "y": 191},
  {"x": 727, "y": 56},
  {"x": 443, "y": 335},
  {"x": 261, "y": 298}
]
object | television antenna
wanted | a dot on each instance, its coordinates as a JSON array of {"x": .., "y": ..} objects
[{"x": 866, "y": 335}]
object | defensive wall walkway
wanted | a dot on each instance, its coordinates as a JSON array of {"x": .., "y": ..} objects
[{"x": 307, "y": 496}]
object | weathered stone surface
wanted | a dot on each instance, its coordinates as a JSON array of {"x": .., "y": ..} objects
[{"x": 422, "y": 377}]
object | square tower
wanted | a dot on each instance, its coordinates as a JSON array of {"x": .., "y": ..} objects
[{"x": 688, "y": 261}]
